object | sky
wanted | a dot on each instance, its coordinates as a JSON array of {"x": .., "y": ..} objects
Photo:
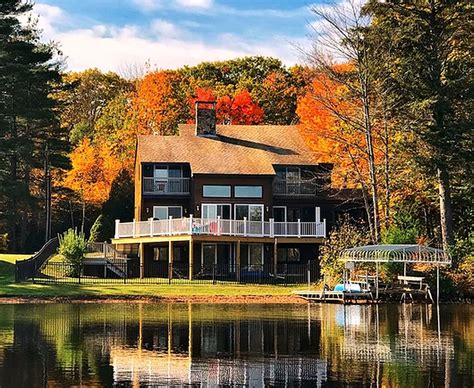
[{"x": 120, "y": 35}]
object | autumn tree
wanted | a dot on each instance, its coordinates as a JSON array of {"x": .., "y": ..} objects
[
  {"x": 93, "y": 170},
  {"x": 238, "y": 109},
  {"x": 160, "y": 103},
  {"x": 339, "y": 38}
]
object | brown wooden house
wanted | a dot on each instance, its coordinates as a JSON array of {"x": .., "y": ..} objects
[{"x": 230, "y": 200}]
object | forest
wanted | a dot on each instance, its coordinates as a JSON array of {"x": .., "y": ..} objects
[{"x": 384, "y": 93}]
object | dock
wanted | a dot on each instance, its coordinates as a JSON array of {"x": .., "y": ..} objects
[{"x": 345, "y": 297}]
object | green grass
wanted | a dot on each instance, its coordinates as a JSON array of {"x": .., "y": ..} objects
[{"x": 9, "y": 288}]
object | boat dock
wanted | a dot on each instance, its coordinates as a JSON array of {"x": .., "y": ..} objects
[{"x": 336, "y": 296}]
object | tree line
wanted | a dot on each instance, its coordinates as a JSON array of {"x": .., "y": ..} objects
[{"x": 385, "y": 94}]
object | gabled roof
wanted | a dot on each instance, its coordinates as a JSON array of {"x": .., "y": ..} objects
[{"x": 237, "y": 149}]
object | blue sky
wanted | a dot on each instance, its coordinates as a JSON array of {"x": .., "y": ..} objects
[{"x": 120, "y": 34}]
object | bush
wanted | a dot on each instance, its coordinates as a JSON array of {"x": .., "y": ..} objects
[
  {"x": 344, "y": 235},
  {"x": 3, "y": 242},
  {"x": 72, "y": 246}
]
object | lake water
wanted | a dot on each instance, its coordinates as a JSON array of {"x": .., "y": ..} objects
[{"x": 236, "y": 345}]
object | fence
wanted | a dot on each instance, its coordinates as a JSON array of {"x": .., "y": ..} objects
[{"x": 161, "y": 272}]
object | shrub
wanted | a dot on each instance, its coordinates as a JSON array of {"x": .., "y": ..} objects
[
  {"x": 344, "y": 235},
  {"x": 72, "y": 246},
  {"x": 3, "y": 242}
]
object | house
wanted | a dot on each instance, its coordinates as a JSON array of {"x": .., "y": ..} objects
[{"x": 227, "y": 201}]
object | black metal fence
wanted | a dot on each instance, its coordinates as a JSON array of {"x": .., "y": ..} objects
[{"x": 161, "y": 272}]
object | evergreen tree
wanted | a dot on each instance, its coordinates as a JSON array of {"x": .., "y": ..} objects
[
  {"x": 29, "y": 75},
  {"x": 428, "y": 56}
]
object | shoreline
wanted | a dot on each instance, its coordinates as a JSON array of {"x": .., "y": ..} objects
[
  {"x": 217, "y": 299},
  {"x": 204, "y": 299}
]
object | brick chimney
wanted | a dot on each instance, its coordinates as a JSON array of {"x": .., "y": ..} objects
[{"x": 205, "y": 118}]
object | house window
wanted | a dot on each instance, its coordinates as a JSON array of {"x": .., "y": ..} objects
[
  {"x": 248, "y": 191},
  {"x": 165, "y": 212},
  {"x": 255, "y": 257},
  {"x": 288, "y": 255},
  {"x": 252, "y": 212},
  {"x": 160, "y": 254},
  {"x": 217, "y": 191},
  {"x": 212, "y": 211},
  {"x": 168, "y": 171}
]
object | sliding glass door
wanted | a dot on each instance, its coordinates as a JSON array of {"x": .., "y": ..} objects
[
  {"x": 254, "y": 216},
  {"x": 211, "y": 211}
]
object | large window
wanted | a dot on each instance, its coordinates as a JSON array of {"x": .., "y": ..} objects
[
  {"x": 252, "y": 212},
  {"x": 248, "y": 191},
  {"x": 217, "y": 191},
  {"x": 164, "y": 212}
]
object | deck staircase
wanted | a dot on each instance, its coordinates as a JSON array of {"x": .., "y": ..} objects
[{"x": 104, "y": 253}]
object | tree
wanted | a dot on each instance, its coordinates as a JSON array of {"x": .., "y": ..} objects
[
  {"x": 430, "y": 71},
  {"x": 29, "y": 76},
  {"x": 86, "y": 95},
  {"x": 237, "y": 110},
  {"x": 341, "y": 39},
  {"x": 160, "y": 103},
  {"x": 72, "y": 246},
  {"x": 93, "y": 171}
]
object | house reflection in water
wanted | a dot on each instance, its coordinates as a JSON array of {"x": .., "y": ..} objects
[{"x": 243, "y": 351}]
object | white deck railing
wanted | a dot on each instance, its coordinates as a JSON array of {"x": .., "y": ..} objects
[{"x": 219, "y": 227}]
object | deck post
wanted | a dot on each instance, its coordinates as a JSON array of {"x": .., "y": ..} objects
[
  {"x": 237, "y": 260},
  {"x": 272, "y": 227},
  {"x": 245, "y": 226},
  {"x": 437, "y": 284},
  {"x": 170, "y": 225},
  {"x": 141, "y": 254},
  {"x": 134, "y": 228},
  {"x": 151, "y": 226},
  {"x": 191, "y": 259},
  {"x": 324, "y": 226},
  {"x": 117, "y": 223},
  {"x": 190, "y": 224},
  {"x": 170, "y": 260},
  {"x": 275, "y": 257},
  {"x": 299, "y": 228},
  {"x": 377, "y": 281},
  {"x": 218, "y": 225}
]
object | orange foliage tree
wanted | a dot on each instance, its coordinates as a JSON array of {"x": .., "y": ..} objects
[
  {"x": 93, "y": 170},
  {"x": 238, "y": 110},
  {"x": 160, "y": 103}
]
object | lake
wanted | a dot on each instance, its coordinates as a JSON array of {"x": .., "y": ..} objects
[{"x": 236, "y": 345}]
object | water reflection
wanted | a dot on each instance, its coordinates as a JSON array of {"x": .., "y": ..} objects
[{"x": 314, "y": 345}]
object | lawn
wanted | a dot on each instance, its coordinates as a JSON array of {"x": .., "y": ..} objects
[{"x": 8, "y": 287}]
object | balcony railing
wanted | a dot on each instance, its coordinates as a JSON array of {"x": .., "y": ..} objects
[
  {"x": 165, "y": 185},
  {"x": 219, "y": 227},
  {"x": 294, "y": 187}
]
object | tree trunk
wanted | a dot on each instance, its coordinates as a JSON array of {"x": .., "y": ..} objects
[
  {"x": 446, "y": 215},
  {"x": 83, "y": 215}
]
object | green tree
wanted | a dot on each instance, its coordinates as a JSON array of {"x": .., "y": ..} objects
[
  {"x": 72, "y": 246},
  {"x": 428, "y": 47},
  {"x": 29, "y": 127}
]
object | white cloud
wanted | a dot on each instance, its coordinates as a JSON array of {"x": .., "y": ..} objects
[
  {"x": 195, "y": 3},
  {"x": 148, "y": 5},
  {"x": 110, "y": 47},
  {"x": 165, "y": 29}
]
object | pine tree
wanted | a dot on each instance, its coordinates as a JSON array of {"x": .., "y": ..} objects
[
  {"x": 428, "y": 47},
  {"x": 29, "y": 75}
]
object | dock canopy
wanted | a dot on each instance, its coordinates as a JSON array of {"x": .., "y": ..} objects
[{"x": 401, "y": 253}]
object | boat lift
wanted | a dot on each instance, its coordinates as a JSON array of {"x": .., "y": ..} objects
[{"x": 394, "y": 253}]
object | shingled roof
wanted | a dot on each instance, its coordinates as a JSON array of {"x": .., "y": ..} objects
[{"x": 237, "y": 149}]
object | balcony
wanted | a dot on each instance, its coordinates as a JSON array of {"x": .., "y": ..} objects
[
  {"x": 219, "y": 227},
  {"x": 166, "y": 186},
  {"x": 294, "y": 187}
]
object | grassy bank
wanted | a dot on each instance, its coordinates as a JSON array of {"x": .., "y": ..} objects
[{"x": 8, "y": 288}]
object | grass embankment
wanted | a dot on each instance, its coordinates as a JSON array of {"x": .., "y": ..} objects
[{"x": 178, "y": 292}]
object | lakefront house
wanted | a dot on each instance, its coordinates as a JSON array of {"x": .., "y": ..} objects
[{"x": 228, "y": 201}]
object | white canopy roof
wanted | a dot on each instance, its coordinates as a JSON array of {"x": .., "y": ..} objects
[{"x": 402, "y": 253}]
